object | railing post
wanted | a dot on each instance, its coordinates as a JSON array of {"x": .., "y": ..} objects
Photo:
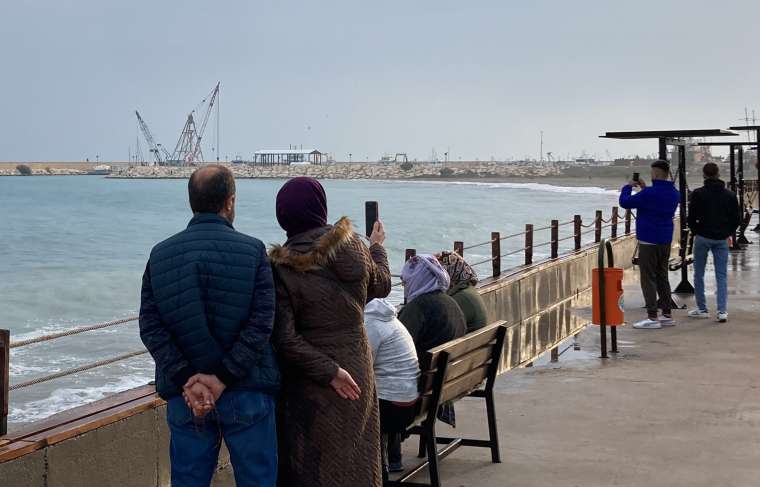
[
  {"x": 409, "y": 253},
  {"x": 628, "y": 221},
  {"x": 496, "y": 253},
  {"x": 598, "y": 227},
  {"x": 528, "y": 244},
  {"x": 578, "y": 229},
  {"x": 614, "y": 223},
  {"x": 459, "y": 248},
  {"x": 555, "y": 239},
  {"x": 5, "y": 353}
]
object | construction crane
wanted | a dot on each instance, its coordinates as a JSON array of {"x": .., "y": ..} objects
[
  {"x": 160, "y": 154},
  {"x": 188, "y": 149}
]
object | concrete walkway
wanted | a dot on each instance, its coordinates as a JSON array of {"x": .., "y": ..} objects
[{"x": 677, "y": 407}]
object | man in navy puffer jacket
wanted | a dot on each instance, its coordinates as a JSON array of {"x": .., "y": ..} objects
[
  {"x": 206, "y": 317},
  {"x": 656, "y": 205}
]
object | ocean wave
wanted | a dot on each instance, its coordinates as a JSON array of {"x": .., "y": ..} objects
[
  {"x": 69, "y": 397},
  {"x": 550, "y": 188}
]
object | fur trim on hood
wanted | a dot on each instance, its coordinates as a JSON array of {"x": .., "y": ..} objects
[{"x": 321, "y": 252}]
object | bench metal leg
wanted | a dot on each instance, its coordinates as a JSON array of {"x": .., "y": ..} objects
[
  {"x": 432, "y": 454},
  {"x": 492, "y": 430}
]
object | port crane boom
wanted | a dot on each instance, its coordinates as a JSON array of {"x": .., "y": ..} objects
[
  {"x": 188, "y": 149},
  {"x": 159, "y": 153},
  {"x": 206, "y": 116}
]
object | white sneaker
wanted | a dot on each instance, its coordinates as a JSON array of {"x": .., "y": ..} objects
[
  {"x": 722, "y": 317},
  {"x": 647, "y": 324},
  {"x": 699, "y": 313},
  {"x": 667, "y": 321}
]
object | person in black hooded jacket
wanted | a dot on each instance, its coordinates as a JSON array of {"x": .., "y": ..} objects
[{"x": 713, "y": 216}]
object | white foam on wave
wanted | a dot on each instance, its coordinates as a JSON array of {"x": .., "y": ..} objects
[
  {"x": 66, "y": 398},
  {"x": 550, "y": 188},
  {"x": 17, "y": 369}
]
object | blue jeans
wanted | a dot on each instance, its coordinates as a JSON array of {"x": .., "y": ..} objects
[
  {"x": 719, "y": 249},
  {"x": 246, "y": 422}
]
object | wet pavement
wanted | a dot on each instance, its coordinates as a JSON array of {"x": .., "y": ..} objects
[{"x": 677, "y": 406}]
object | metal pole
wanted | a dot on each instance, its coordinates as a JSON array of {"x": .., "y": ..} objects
[
  {"x": 741, "y": 238},
  {"x": 496, "y": 253},
  {"x": 614, "y": 223},
  {"x": 628, "y": 222},
  {"x": 684, "y": 287},
  {"x": 555, "y": 239},
  {"x": 663, "y": 149},
  {"x": 732, "y": 186},
  {"x": 598, "y": 227},
  {"x": 732, "y": 167},
  {"x": 5, "y": 349},
  {"x": 528, "y": 244},
  {"x": 577, "y": 229},
  {"x": 459, "y": 248},
  {"x": 757, "y": 175}
]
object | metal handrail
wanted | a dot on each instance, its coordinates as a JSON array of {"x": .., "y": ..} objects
[
  {"x": 72, "y": 331},
  {"x": 76, "y": 370},
  {"x": 490, "y": 259},
  {"x": 479, "y": 244},
  {"x": 512, "y": 235},
  {"x": 514, "y": 252}
]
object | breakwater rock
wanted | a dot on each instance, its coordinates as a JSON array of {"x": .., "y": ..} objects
[
  {"x": 47, "y": 171},
  {"x": 451, "y": 170}
]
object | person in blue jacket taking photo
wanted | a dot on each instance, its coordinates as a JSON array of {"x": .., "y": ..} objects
[{"x": 656, "y": 205}]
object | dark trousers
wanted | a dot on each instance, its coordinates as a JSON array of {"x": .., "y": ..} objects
[
  {"x": 394, "y": 420},
  {"x": 653, "y": 267}
]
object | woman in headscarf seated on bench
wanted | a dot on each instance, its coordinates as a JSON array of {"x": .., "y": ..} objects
[
  {"x": 462, "y": 289},
  {"x": 432, "y": 318}
]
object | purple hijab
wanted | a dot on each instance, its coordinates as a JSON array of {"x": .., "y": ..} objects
[
  {"x": 423, "y": 274},
  {"x": 301, "y": 205}
]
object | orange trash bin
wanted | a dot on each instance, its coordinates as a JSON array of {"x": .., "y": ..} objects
[{"x": 613, "y": 291}]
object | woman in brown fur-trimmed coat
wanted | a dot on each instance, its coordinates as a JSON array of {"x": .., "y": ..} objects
[{"x": 328, "y": 421}]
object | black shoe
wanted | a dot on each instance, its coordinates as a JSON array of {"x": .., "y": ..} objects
[{"x": 395, "y": 467}]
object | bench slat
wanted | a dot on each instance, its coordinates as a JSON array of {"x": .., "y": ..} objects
[
  {"x": 460, "y": 366},
  {"x": 461, "y": 346},
  {"x": 471, "y": 361},
  {"x": 464, "y": 384}
]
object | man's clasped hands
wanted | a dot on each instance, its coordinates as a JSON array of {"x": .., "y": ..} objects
[{"x": 201, "y": 392}]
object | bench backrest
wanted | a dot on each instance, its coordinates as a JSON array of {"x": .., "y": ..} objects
[{"x": 456, "y": 368}]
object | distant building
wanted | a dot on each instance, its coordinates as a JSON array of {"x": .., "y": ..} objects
[{"x": 287, "y": 157}]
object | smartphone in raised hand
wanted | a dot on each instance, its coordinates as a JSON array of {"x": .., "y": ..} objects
[{"x": 371, "y": 215}]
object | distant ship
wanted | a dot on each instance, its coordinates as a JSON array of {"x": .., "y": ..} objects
[{"x": 101, "y": 169}]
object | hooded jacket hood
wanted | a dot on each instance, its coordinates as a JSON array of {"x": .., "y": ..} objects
[
  {"x": 380, "y": 309},
  {"x": 334, "y": 247}
]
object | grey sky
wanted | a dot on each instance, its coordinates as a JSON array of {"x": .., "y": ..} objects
[{"x": 480, "y": 77}]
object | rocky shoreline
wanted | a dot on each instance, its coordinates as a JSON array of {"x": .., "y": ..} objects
[
  {"x": 52, "y": 171},
  {"x": 460, "y": 170}
]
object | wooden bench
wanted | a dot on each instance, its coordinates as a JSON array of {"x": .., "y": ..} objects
[{"x": 463, "y": 367}]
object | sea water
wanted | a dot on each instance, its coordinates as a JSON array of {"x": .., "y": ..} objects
[{"x": 74, "y": 250}]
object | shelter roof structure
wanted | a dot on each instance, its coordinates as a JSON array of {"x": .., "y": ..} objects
[
  {"x": 745, "y": 127},
  {"x": 288, "y": 151},
  {"x": 725, "y": 143},
  {"x": 287, "y": 156},
  {"x": 668, "y": 134}
]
